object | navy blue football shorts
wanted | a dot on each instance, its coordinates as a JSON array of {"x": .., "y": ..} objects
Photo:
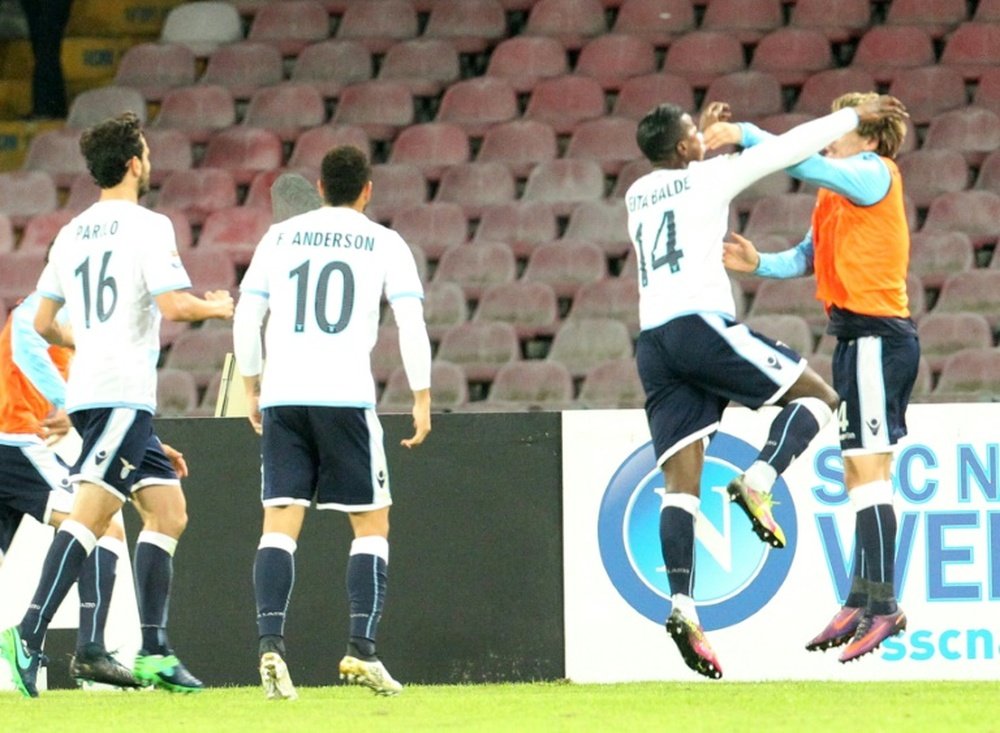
[
  {"x": 331, "y": 455},
  {"x": 694, "y": 365},
  {"x": 34, "y": 481},
  {"x": 874, "y": 376}
]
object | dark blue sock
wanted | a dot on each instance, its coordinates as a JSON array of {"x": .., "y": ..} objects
[
  {"x": 97, "y": 581},
  {"x": 790, "y": 433},
  {"x": 62, "y": 567},
  {"x": 677, "y": 544},
  {"x": 366, "y": 585},
  {"x": 154, "y": 571},
  {"x": 858, "y": 595},
  {"x": 877, "y": 532},
  {"x": 273, "y": 578}
]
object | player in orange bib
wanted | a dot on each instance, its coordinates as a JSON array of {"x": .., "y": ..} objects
[{"x": 858, "y": 247}]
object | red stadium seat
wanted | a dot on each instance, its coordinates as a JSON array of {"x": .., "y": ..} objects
[
  {"x": 25, "y": 194},
  {"x": 989, "y": 173},
  {"x": 444, "y": 308},
  {"x": 530, "y": 307},
  {"x": 176, "y": 392},
  {"x": 970, "y": 375},
  {"x": 934, "y": 256},
  {"x": 610, "y": 297},
  {"x": 701, "y": 56},
  {"x": 987, "y": 94},
  {"x": 629, "y": 174},
  {"x": 795, "y": 297},
  {"x": 169, "y": 151},
  {"x": 385, "y": 357},
  {"x": 987, "y": 11},
  {"x": 521, "y": 224},
  {"x": 154, "y": 68},
  {"x": 381, "y": 108},
  {"x": 235, "y": 232},
  {"x": 451, "y": 392},
  {"x": 793, "y": 331},
  {"x": 244, "y": 67},
  {"x": 928, "y": 173},
  {"x": 973, "y": 132},
  {"x": 209, "y": 270},
  {"x": 788, "y": 215},
  {"x": 820, "y": 89},
  {"x": 286, "y": 110},
  {"x": 792, "y": 55},
  {"x": 425, "y": 65},
  {"x": 478, "y": 104},
  {"x": 434, "y": 227},
  {"x": 943, "y": 334},
  {"x": 603, "y": 222},
  {"x": 566, "y": 265},
  {"x": 476, "y": 266},
  {"x": 973, "y": 49},
  {"x": 937, "y": 17},
  {"x": 778, "y": 183},
  {"x": 973, "y": 291},
  {"x": 612, "y": 384},
  {"x": 751, "y": 94},
  {"x": 565, "y": 101},
  {"x": 7, "y": 237},
  {"x": 198, "y": 192},
  {"x": 929, "y": 91},
  {"x": 564, "y": 183},
  {"x": 885, "y": 50},
  {"x": 19, "y": 272},
  {"x": 480, "y": 348},
  {"x": 531, "y": 385},
  {"x": 523, "y": 60},
  {"x": 477, "y": 186},
  {"x": 582, "y": 344},
  {"x": 243, "y": 152},
  {"x": 330, "y": 65},
  {"x": 378, "y": 25},
  {"x": 840, "y": 21},
  {"x": 197, "y": 110},
  {"x": 41, "y": 230},
  {"x": 395, "y": 188},
  {"x": 572, "y": 22},
  {"x": 470, "y": 25},
  {"x": 313, "y": 144},
  {"x": 974, "y": 212},
  {"x": 432, "y": 147},
  {"x": 57, "y": 154},
  {"x": 200, "y": 352},
  {"x": 641, "y": 94},
  {"x": 520, "y": 145},
  {"x": 748, "y": 21},
  {"x": 290, "y": 25},
  {"x": 609, "y": 141},
  {"x": 259, "y": 193},
  {"x": 659, "y": 21},
  {"x": 615, "y": 57}
]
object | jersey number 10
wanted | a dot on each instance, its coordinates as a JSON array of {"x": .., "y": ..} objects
[{"x": 301, "y": 274}]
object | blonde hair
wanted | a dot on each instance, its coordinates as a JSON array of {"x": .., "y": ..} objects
[{"x": 888, "y": 132}]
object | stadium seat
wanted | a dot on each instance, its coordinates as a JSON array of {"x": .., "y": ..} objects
[
  {"x": 989, "y": 173},
  {"x": 748, "y": 21},
  {"x": 937, "y": 17},
  {"x": 792, "y": 55},
  {"x": 564, "y": 183},
  {"x": 420, "y": 260},
  {"x": 210, "y": 269},
  {"x": 234, "y": 232},
  {"x": 519, "y": 144},
  {"x": 521, "y": 224},
  {"x": 751, "y": 94},
  {"x": 24, "y": 194},
  {"x": 929, "y": 91},
  {"x": 432, "y": 147},
  {"x": 930, "y": 172},
  {"x": 378, "y": 25},
  {"x": 176, "y": 392},
  {"x": 39, "y": 232},
  {"x": 629, "y": 174},
  {"x": 603, "y": 222},
  {"x": 793, "y": 331},
  {"x": 936, "y": 255},
  {"x": 290, "y": 25},
  {"x": 96, "y": 105},
  {"x": 198, "y": 192},
  {"x": 563, "y": 102},
  {"x": 973, "y": 132},
  {"x": 973, "y": 291},
  {"x": 434, "y": 227},
  {"x": 202, "y": 26},
  {"x": 57, "y": 154},
  {"x": 916, "y": 296},
  {"x": 330, "y": 65},
  {"x": 381, "y": 108},
  {"x": 788, "y": 215},
  {"x": 198, "y": 111},
  {"x": 701, "y": 56},
  {"x": 475, "y": 267},
  {"x": 641, "y": 94},
  {"x": 471, "y": 26},
  {"x": 477, "y": 186},
  {"x": 973, "y": 49},
  {"x": 286, "y": 110},
  {"x": 385, "y": 357},
  {"x": 425, "y": 65},
  {"x": 885, "y": 50},
  {"x": 394, "y": 188},
  {"x": 313, "y": 144},
  {"x": 154, "y": 68},
  {"x": 610, "y": 141},
  {"x": 582, "y": 344},
  {"x": 778, "y": 183},
  {"x": 974, "y": 212},
  {"x": 610, "y": 297},
  {"x": 613, "y": 384},
  {"x": 523, "y": 60},
  {"x": 987, "y": 11},
  {"x": 7, "y": 239},
  {"x": 259, "y": 193},
  {"x": 451, "y": 392},
  {"x": 182, "y": 227},
  {"x": 243, "y": 152},
  {"x": 19, "y": 272},
  {"x": 615, "y": 57},
  {"x": 821, "y": 88},
  {"x": 530, "y": 307},
  {"x": 169, "y": 151},
  {"x": 571, "y": 22},
  {"x": 987, "y": 94},
  {"x": 444, "y": 308},
  {"x": 794, "y": 297},
  {"x": 840, "y": 21},
  {"x": 969, "y": 375},
  {"x": 566, "y": 265},
  {"x": 244, "y": 67},
  {"x": 530, "y": 385},
  {"x": 201, "y": 352},
  {"x": 943, "y": 334},
  {"x": 659, "y": 21},
  {"x": 478, "y": 104},
  {"x": 480, "y": 348}
]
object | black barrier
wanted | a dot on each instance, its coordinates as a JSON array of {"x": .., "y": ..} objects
[{"x": 475, "y": 573}]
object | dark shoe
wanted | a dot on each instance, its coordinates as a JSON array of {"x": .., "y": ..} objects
[
  {"x": 839, "y": 631},
  {"x": 23, "y": 662},
  {"x": 165, "y": 671},
  {"x": 871, "y": 632},
  {"x": 693, "y": 646},
  {"x": 93, "y": 663}
]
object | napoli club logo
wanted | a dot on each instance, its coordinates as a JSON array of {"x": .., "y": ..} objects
[{"x": 735, "y": 573}]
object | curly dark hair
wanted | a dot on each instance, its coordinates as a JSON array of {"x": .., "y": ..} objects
[
  {"x": 345, "y": 171},
  {"x": 109, "y": 146}
]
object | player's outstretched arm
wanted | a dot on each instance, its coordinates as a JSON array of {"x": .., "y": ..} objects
[
  {"x": 180, "y": 305},
  {"x": 739, "y": 255}
]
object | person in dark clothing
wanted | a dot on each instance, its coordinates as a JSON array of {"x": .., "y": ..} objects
[{"x": 47, "y": 21}]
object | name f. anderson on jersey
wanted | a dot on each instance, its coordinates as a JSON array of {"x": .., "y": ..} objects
[{"x": 344, "y": 240}]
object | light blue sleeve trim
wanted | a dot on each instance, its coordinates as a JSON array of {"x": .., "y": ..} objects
[
  {"x": 752, "y": 135},
  {"x": 259, "y": 293},
  {"x": 794, "y": 262},
  {"x": 30, "y": 353},
  {"x": 170, "y": 289},
  {"x": 51, "y": 296},
  {"x": 138, "y": 406},
  {"x": 412, "y": 294}
]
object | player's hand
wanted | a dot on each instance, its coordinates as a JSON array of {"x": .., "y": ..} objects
[
  {"x": 253, "y": 413},
  {"x": 721, "y": 134},
  {"x": 421, "y": 419},
  {"x": 879, "y": 108},
  {"x": 714, "y": 112},
  {"x": 54, "y": 427},
  {"x": 740, "y": 255},
  {"x": 176, "y": 460},
  {"x": 223, "y": 300}
]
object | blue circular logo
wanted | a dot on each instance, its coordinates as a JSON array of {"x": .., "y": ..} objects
[{"x": 735, "y": 573}]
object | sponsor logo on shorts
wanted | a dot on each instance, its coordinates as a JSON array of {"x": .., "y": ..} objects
[{"x": 100, "y": 457}]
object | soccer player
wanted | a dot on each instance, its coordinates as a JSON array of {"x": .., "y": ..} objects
[
  {"x": 858, "y": 246},
  {"x": 35, "y": 481},
  {"x": 692, "y": 354},
  {"x": 116, "y": 268},
  {"x": 321, "y": 275}
]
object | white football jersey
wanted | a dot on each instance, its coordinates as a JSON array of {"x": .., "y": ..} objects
[
  {"x": 678, "y": 219},
  {"x": 107, "y": 265},
  {"x": 323, "y": 274}
]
